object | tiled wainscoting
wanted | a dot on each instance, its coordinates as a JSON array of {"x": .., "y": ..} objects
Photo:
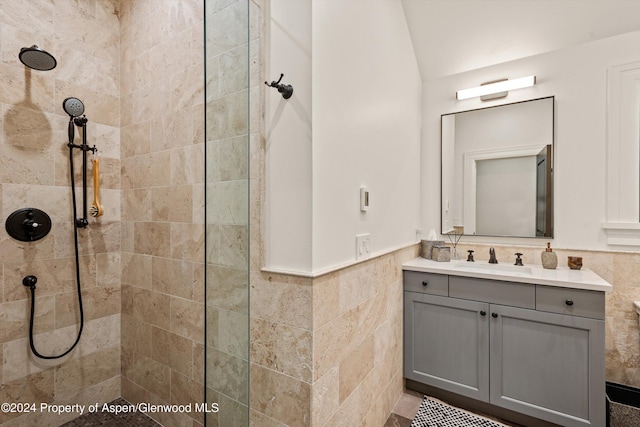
[{"x": 327, "y": 351}]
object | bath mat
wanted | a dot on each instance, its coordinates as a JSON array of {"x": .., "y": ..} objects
[{"x": 433, "y": 413}]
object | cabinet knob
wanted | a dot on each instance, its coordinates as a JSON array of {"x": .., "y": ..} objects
[
  {"x": 494, "y": 315},
  {"x": 483, "y": 313},
  {"x": 425, "y": 283},
  {"x": 569, "y": 302}
]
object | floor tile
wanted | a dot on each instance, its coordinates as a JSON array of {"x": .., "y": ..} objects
[{"x": 107, "y": 419}]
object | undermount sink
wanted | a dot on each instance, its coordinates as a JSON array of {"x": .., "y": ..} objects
[{"x": 493, "y": 268}]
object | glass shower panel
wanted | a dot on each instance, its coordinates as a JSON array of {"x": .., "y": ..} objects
[{"x": 227, "y": 212}]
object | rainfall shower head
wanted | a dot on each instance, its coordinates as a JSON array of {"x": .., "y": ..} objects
[
  {"x": 37, "y": 59},
  {"x": 73, "y": 107}
]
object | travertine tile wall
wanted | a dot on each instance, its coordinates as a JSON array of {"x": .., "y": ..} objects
[
  {"x": 227, "y": 210},
  {"x": 622, "y": 270},
  {"x": 357, "y": 342},
  {"x": 162, "y": 151},
  {"x": 328, "y": 351},
  {"x": 84, "y": 37},
  {"x": 281, "y": 350}
]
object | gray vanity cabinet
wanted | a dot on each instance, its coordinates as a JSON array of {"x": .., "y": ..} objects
[
  {"x": 537, "y": 350},
  {"x": 547, "y": 365},
  {"x": 447, "y": 343}
]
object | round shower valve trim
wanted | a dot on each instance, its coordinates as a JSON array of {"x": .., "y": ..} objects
[{"x": 28, "y": 224}]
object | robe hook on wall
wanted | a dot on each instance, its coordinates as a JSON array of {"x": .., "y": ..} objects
[{"x": 285, "y": 90}]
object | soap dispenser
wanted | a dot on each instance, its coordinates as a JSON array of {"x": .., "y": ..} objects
[{"x": 549, "y": 258}]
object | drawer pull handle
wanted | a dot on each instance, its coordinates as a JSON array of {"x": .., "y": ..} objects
[
  {"x": 425, "y": 283},
  {"x": 483, "y": 313},
  {"x": 494, "y": 315},
  {"x": 569, "y": 302}
]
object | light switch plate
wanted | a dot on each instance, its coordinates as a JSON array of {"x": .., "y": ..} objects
[{"x": 363, "y": 246}]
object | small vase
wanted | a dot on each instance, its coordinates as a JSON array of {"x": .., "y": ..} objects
[{"x": 574, "y": 262}]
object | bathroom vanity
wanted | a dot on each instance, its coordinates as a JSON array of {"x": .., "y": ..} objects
[{"x": 525, "y": 339}]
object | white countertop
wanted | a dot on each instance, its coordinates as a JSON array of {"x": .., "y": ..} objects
[{"x": 534, "y": 274}]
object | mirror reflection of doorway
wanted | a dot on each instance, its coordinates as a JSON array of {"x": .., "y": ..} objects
[
  {"x": 506, "y": 196},
  {"x": 544, "y": 192}
]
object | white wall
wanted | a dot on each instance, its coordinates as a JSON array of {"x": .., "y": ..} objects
[
  {"x": 288, "y": 160},
  {"x": 452, "y": 37},
  {"x": 577, "y": 77},
  {"x": 366, "y": 116},
  {"x": 354, "y": 120}
]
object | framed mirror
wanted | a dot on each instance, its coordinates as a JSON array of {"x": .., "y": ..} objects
[{"x": 497, "y": 170}]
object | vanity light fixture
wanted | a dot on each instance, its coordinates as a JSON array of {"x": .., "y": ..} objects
[{"x": 497, "y": 87}]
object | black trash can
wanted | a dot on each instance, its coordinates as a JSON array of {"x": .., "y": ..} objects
[{"x": 623, "y": 406}]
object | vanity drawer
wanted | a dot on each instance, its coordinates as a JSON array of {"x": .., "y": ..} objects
[
  {"x": 427, "y": 283},
  {"x": 493, "y": 291},
  {"x": 575, "y": 302}
]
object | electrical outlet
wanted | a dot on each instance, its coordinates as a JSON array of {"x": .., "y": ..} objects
[{"x": 363, "y": 246}]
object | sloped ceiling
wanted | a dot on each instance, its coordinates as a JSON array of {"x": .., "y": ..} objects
[{"x": 453, "y": 36}]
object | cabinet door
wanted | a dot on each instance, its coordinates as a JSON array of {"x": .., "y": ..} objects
[
  {"x": 547, "y": 365},
  {"x": 447, "y": 343}
]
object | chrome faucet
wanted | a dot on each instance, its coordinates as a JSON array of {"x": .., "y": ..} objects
[{"x": 492, "y": 256}]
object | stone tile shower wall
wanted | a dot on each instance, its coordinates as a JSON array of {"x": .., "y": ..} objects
[
  {"x": 227, "y": 210},
  {"x": 162, "y": 151},
  {"x": 34, "y": 163}
]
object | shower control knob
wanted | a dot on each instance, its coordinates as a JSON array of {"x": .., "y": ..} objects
[
  {"x": 30, "y": 281},
  {"x": 30, "y": 224}
]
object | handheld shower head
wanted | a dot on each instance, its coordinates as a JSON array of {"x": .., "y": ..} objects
[
  {"x": 37, "y": 59},
  {"x": 73, "y": 107}
]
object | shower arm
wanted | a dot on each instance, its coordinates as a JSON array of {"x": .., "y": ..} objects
[{"x": 82, "y": 123}]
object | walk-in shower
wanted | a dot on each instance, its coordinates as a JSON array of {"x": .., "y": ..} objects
[{"x": 164, "y": 271}]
